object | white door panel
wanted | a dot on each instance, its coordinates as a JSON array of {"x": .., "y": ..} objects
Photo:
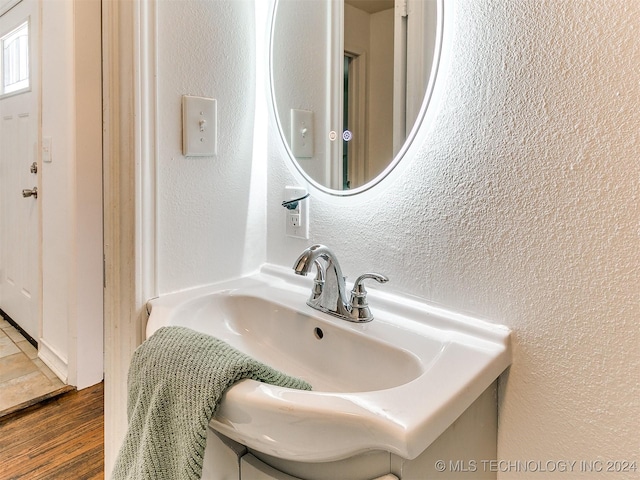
[{"x": 19, "y": 222}]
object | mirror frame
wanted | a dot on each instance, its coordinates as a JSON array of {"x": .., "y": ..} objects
[{"x": 437, "y": 59}]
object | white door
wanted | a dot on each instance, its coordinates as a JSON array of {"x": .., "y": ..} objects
[
  {"x": 416, "y": 23},
  {"x": 19, "y": 127}
]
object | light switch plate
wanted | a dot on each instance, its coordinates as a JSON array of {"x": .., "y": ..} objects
[
  {"x": 199, "y": 126},
  {"x": 302, "y": 133},
  {"x": 46, "y": 150}
]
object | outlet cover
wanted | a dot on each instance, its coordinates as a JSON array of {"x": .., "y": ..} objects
[{"x": 297, "y": 219}]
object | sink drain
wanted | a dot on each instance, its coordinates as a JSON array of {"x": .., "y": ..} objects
[{"x": 318, "y": 333}]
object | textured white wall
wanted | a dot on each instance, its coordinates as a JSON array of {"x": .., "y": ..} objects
[
  {"x": 207, "y": 229},
  {"x": 521, "y": 207}
]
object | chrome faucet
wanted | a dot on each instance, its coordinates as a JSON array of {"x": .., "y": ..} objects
[{"x": 329, "y": 289}]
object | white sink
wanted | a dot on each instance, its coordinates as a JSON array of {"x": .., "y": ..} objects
[{"x": 393, "y": 384}]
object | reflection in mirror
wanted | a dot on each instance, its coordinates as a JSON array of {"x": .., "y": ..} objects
[{"x": 349, "y": 78}]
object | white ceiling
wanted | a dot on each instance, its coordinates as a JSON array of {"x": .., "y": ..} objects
[{"x": 371, "y": 6}]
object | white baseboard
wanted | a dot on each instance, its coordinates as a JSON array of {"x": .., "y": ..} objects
[{"x": 53, "y": 360}]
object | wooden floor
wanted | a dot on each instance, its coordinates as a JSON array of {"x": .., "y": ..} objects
[{"x": 62, "y": 438}]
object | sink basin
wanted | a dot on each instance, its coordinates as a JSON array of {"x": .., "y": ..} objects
[
  {"x": 393, "y": 384},
  {"x": 330, "y": 358}
]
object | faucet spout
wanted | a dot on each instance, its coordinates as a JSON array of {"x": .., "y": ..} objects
[
  {"x": 307, "y": 258},
  {"x": 330, "y": 296}
]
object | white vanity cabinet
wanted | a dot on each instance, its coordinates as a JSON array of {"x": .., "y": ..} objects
[
  {"x": 464, "y": 449},
  {"x": 225, "y": 459},
  {"x": 253, "y": 469},
  {"x": 221, "y": 457}
]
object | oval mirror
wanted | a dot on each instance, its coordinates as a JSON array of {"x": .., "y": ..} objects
[{"x": 350, "y": 83}]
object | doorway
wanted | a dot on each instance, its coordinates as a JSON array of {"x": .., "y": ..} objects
[
  {"x": 19, "y": 130},
  {"x": 65, "y": 142}
]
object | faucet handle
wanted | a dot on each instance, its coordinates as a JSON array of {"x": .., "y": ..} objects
[
  {"x": 359, "y": 306},
  {"x": 376, "y": 276}
]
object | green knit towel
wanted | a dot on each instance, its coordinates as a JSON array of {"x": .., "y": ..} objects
[{"x": 176, "y": 380}]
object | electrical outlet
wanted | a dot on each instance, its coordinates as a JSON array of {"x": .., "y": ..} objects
[
  {"x": 297, "y": 219},
  {"x": 294, "y": 220}
]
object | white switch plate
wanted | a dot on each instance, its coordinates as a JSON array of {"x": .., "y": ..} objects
[
  {"x": 297, "y": 220},
  {"x": 46, "y": 150},
  {"x": 302, "y": 133},
  {"x": 199, "y": 126}
]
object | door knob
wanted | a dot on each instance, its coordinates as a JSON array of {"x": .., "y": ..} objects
[{"x": 30, "y": 193}]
